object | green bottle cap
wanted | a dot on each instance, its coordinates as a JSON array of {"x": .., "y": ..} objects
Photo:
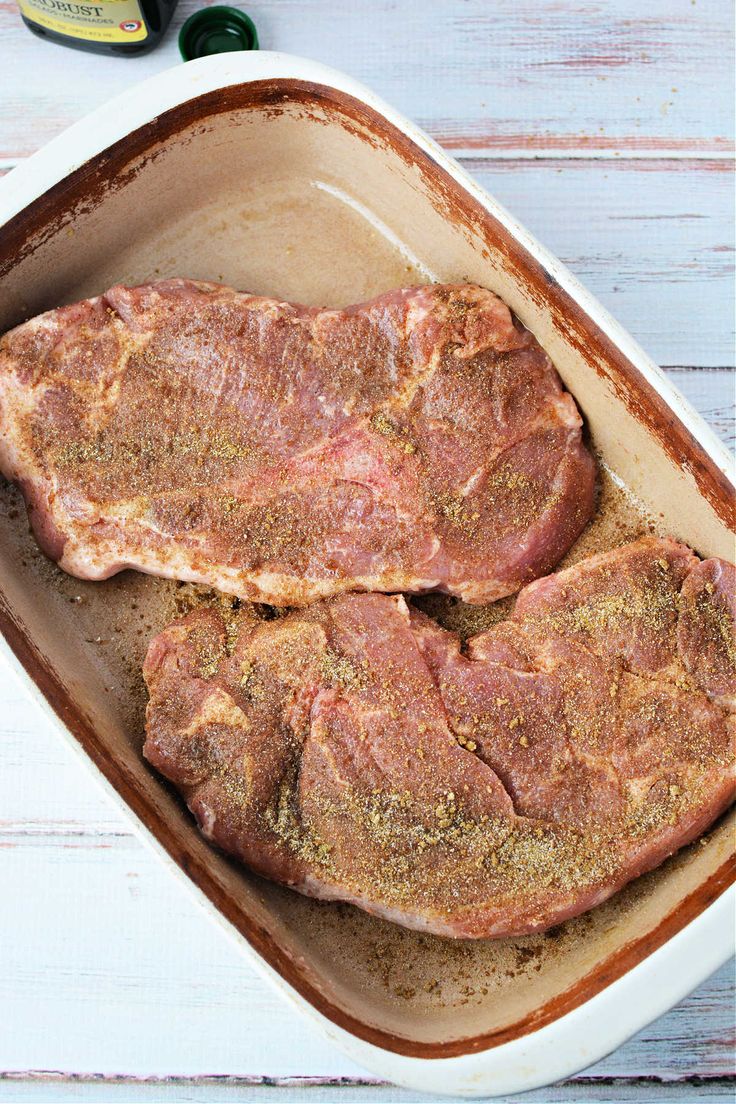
[{"x": 216, "y": 30}]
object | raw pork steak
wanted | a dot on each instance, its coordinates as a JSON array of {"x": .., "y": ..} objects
[
  {"x": 352, "y": 751},
  {"x": 284, "y": 453}
]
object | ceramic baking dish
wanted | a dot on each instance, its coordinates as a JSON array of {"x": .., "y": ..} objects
[{"x": 279, "y": 176}]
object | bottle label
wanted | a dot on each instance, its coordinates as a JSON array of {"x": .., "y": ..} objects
[{"x": 98, "y": 21}]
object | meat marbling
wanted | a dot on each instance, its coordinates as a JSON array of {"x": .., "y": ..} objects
[
  {"x": 353, "y": 751},
  {"x": 284, "y": 453}
]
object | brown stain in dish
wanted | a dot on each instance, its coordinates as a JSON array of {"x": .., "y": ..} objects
[{"x": 112, "y": 170}]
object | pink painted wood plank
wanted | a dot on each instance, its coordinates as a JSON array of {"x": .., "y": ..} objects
[{"x": 516, "y": 77}]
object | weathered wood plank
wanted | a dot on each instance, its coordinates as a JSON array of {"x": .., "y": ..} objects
[
  {"x": 152, "y": 989},
  {"x": 654, "y": 241},
  {"x": 216, "y": 1090},
  {"x": 517, "y": 77},
  {"x": 713, "y": 394}
]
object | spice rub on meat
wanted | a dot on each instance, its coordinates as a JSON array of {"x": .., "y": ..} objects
[
  {"x": 354, "y": 752},
  {"x": 283, "y": 453}
]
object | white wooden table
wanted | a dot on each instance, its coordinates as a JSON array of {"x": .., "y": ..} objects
[{"x": 606, "y": 127}]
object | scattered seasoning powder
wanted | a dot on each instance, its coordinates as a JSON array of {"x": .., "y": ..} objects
[
  {"x": 403, "y": 841},
  {"x": 383, "y": 425}
]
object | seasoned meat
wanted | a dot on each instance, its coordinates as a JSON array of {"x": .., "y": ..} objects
[
  {"x": 282, "y": 453},
  {"x": 353, "y": 751}
]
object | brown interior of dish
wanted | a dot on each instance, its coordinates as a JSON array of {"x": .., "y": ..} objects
[{"x": 297, "y": 191}]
